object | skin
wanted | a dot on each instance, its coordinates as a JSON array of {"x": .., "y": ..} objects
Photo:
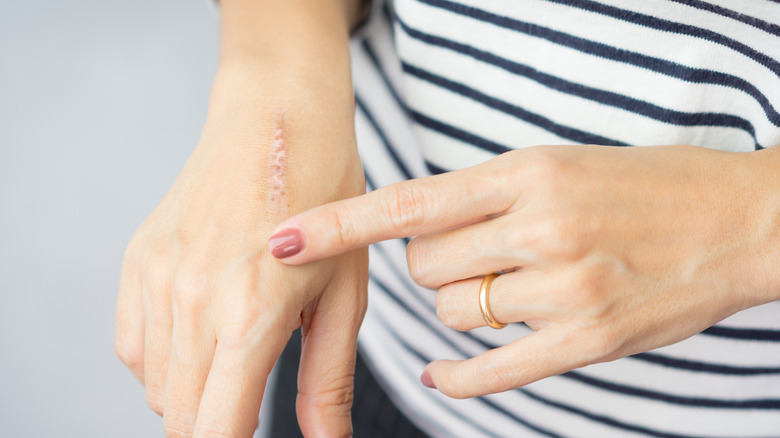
[
  {"x": 610, "y": 251},
  {"x": 203, "y": 309}
]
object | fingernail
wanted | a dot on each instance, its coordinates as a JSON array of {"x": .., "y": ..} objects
[
  {"x": 427, "y": 380},
  {"x": 286, "y": 243}
]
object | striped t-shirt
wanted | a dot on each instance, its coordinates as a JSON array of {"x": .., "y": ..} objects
[{"x": 442, "y": 85}]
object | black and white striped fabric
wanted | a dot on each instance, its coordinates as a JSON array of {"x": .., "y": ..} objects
[{"x": 442, "y": 85}]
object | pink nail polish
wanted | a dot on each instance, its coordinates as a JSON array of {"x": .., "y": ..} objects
[
  {"x": 286, "y": 243},
  {"x": 427, "y": 380}
]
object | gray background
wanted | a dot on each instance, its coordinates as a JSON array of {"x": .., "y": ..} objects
[{"x": 101, "y": 102}]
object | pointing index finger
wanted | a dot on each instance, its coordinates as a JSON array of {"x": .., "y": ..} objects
[{"x": 404, "y": 209}]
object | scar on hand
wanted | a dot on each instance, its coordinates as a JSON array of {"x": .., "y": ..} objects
[{"x": 279, "y": 152}]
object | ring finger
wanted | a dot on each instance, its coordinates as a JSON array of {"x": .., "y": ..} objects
[{"x": 523, "y": 295}]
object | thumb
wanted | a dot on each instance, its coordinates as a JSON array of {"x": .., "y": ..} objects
[
  {"x": 325, "y": 378},
  {"x": 404, "y": 209}
]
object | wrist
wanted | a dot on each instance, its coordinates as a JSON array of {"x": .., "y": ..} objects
[
  {"x": 767, "y": 165},
  {"x": 250, "y": 105},
  {"x": 311, "y": 32},
  {"x": 762, "y": 219}
]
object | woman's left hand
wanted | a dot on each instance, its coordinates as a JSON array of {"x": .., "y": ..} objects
[{"x": 609, "y": 251}]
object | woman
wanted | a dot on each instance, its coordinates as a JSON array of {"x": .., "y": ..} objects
[{"x": 602, "y": 251}]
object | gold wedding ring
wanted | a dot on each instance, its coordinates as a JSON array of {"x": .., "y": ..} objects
[{"x": 484, "y": 306}]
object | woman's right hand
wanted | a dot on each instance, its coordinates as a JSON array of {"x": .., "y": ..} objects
[{"x": 204, "y": 310}]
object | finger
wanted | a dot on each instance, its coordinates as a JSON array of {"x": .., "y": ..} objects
[
  {"x": 192, "y": 350},
  {"x": 542, "y": 354},
  {"x": 129, "y": 338},
  {"x": 157, "y": 342},
  {"x": 474, "y": 250},
  {"x": 326, "y": 376},
  {"x": 404, "y": 209},
  {"x": 527, "y": 294},
  {"x": 234, "y": 389}
]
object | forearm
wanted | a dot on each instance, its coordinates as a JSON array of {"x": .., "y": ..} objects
[
  {"x": 249, "y": 27},
  {"x": 292, "y": 53}
]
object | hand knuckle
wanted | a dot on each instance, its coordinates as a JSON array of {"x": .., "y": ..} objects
[
  {"x": 336, "y": 397},
  {"x": 214, "y": 428},
  {"x": 130, "y": 263},
  {"x": 445, "y": 309},
  {"x": 560, "y": 238},
  {"x": 157, "y": 270},
  {"x": 494, "y": 378},
  {"x": 508, "y": 238},
  {"x": 215, "y": 433},
  {"x": 416, "y": 256},
  {"x": 190, "y": 284},
  {"x": 178, "y": 425},
  {"x": 406, "y": 206},
  {"x": 586, "y": 280},
  {"x": 500, "y": 172},
  {"x": 155, "y": 401},
  {"x": 544, "y": 164},
  {"x": 345, "y": 229},
  {"x": 590, "y": 282},
  {"x": 135, "y": 246},
  {"x": 130, "y": 355},
  {"x": 176, "y": 433},
  {"x": 243, "y": 327},
  {"x": 556, "y": 229}
]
